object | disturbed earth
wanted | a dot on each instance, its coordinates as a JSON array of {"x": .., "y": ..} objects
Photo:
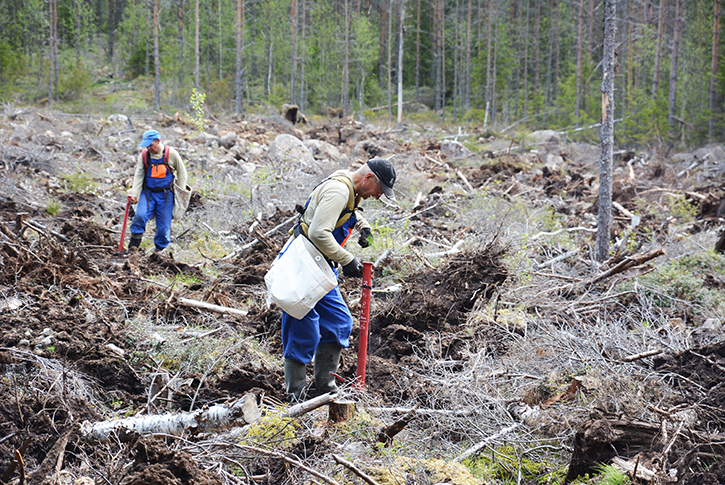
[{"x": 67, "y": 295}]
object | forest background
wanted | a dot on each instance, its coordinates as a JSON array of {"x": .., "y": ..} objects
[{"x": 529, "y": 64}]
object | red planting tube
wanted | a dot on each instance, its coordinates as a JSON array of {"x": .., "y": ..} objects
[
  {"x": 362, "y": 345},
  {"x": 125, "y": 220}
]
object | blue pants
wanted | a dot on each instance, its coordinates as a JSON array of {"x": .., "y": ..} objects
[
  {"x": 329, "y": 322},
  {"x": 159, "y": 205}
]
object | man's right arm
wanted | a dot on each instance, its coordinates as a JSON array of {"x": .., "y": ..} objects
[{"x": 137, "y": 180}]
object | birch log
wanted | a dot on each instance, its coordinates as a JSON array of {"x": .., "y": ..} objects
[{"x": 214, "y": 418}]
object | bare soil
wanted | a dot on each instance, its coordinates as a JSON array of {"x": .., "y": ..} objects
[{"x": 432, "y": 306}]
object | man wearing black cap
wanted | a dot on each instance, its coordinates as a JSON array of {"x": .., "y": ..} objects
[
  {"x": 153, "y": 189},
  {"x": 327, "y": 220}
]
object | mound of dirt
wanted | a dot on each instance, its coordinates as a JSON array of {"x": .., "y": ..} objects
[{"x": 437, "y": 301}]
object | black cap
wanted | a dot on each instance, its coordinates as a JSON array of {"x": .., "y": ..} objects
[{"x": 385, "y": 172}]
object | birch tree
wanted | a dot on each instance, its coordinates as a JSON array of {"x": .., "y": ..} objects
[{"x": 607, "y": 132}]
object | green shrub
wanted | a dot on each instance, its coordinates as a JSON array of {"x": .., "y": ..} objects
[{"x": 73, "y": 82}]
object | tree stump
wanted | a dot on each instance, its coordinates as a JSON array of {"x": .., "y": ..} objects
[
  {"x": 598, "y": 441},
  {"x": 341, "y": 411}
]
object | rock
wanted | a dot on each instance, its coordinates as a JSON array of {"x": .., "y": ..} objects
[
  {"x": 21, "y": 133},
  {"x": 118, "y": 122},
  {"x": 543, "y": 137},
  {"x": 322, "y": 150},
  {"x": 228, "y": 140},
  {"x": 455, "y": 149},
  {"x": 367, "y": 150},
  {"x": 289, "y": 150}
]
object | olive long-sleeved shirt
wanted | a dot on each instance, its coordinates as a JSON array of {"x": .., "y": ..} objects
[
  {"x": 175, "y": 163},
  {"x": 327, "y": 202}
]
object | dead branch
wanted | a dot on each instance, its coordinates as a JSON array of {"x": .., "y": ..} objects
[
  {"x": 289, "y": 460},
  {"x": 465, "y": 181},
  {"x": 420, "y": 256},
  {"x": 642, "y": 355},
  {"x": 561, "y": 257},
  {"x": 478, "y": 446},
  {"x": 628, "y": 263},
  {"x": 211, "y": 307},
  {"x": 455, "y": 249},
  {"x": 367, "y": 478}
]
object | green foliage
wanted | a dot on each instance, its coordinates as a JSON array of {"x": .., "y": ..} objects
[
  {"x": 79, "y": 182},
  {"x": 504, "y": 463},
  {"x": 271, "y": 430},
  {"x": 608, "y": 475},
  {"x": 682, "y": 209},
  {"x": 11, "y": 67},
  {"x": 74, "y": 81},
  {"x": 684, "y": 279},
  {"x": 197, "y": 103},
  {"x": 53, "y": 207}
]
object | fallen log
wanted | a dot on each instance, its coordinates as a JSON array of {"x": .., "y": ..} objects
[{"x": 214, "y": 418}]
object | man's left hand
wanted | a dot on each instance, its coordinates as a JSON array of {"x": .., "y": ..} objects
[{"x": 366, "y": 237}]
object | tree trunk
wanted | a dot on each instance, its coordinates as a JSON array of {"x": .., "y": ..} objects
[
  {"x": 196, "y": 47},
  {"x": 713, "y": 69},
  {"x": 111, "y": 29},
  {"x": 302, "y": 59},
  {"x": 400, "y": 61},
  {"x": 221, "y": 50},
  {"x": 180, "y": 21},
  {"x": 526, "y": 62},
  {"x": 157, "y": 63},
  {"x": 607, "y": 133},
  {"x": 215, "y": 418},
  {"x": 489, "y": 60},
  {"x": 437, "y": 56},
  {"x": 442, "y": 13},
  {"x": 673, "y": 71},
  {"x": 417, "y": 54},
  {"x": 383, "y": 34},
  {"x": 456, "y": 62},
  {"x": 293, "y": 60},
  {"x": 579, "y": 61},
  {"x": 239, "y": 84},
  {"x": 51, "y": 50},
  {"x": 467, "y": 76},
  {"x": 390, "y": 61},
  {"x": 346, "y": 64},
  {"x": 537, "y": 48},
  {"x": 658, "y": 54}
]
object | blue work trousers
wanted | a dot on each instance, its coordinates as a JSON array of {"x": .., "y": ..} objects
[
  {"x": 329, "y": 321},
  {"x": 159, "y": 205}
]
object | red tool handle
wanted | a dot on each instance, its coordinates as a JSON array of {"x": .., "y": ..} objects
[
  {"x": 362, "y": 344},
  {"x": 125, "y": 220}
]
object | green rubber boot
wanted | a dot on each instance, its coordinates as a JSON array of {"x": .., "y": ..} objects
[
  {"x": 295, "y": 380},
  {"x": 327, "y": 359},
  {"x": 135, "y": 241}
]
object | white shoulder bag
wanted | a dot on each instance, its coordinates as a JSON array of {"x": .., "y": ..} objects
[{"x": 299, "y": 277}]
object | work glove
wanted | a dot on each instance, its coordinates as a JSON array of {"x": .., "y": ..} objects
[
  {"x": 366, "y": 237},
  {"x": 353, "y": 269}
]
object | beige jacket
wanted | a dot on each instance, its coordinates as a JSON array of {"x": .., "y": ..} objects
[
  {"x": 175, "y": 163},
  {"x": 327, "y": 202}
]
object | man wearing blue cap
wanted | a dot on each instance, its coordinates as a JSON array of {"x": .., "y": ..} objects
[
  {"x": 327, "y": 220},
  {"x": 153, "y": 189}
]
